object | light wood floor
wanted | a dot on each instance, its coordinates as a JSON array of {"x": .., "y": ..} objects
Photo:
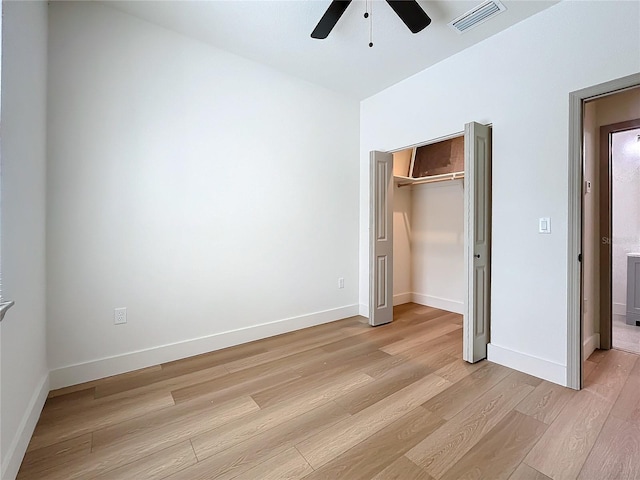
[{"x": 344, "y": 400}]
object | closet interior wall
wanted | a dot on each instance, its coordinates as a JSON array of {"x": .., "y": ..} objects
[{"x": 428, "y": 250}]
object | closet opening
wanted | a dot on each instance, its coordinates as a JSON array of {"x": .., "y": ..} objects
[
  {"x": 428, "y": 225},
  {"x": 430, "y": 232}
]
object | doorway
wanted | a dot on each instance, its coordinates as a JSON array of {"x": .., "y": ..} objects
[
  {"x": 476, "y": 237},
  {"x": 584, "y": 317},
  {"x": 611, "y": 220},
  {"x": 625, "y": 246}
]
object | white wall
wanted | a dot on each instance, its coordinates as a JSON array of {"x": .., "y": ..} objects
[
  {"x": 208, "y": 194},
  {"x": 24, "y": 363},
  {"x": 518, "y": 80},
  {"x": 437, "y": 244},
  {"x": 402, "y": 234},
  {"x": 625, "y": 151}
]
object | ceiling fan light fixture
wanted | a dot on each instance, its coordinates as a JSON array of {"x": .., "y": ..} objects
[{"x": 477, "y": 15}]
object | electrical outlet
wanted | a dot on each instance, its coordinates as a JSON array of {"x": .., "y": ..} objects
[
  {"x": 340, "y": 282},
  {"x": 120, "y": 316}
]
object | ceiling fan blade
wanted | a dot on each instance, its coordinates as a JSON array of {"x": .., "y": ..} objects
[
  {"x": 330, "y": 18},
  {"x": 411, "y": 13}
]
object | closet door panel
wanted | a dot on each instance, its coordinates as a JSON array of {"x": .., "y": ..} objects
[
  {"x": 478, "y": 237},
  {"x": 381, "y": 239}
]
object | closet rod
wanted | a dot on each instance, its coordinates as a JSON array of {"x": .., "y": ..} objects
[{"x": 435, "y": 178}]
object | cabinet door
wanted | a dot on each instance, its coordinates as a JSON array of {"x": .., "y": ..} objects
[{"x": 633, "y": 290}]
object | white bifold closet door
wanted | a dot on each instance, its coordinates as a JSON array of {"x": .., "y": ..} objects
[
  {"x": 381, "y": 239},
  {"x": 477, "y": 234}
]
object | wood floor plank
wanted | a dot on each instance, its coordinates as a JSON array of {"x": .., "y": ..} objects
[
  {"x": 627, "y": 406},
  {"x": 313, "y": 379},
  {"x": 37, "y": 462},
  {"x": 302, "y": 348},
  {"x": 245, "y": 455},
  {"x": 616, "y": 453},
  {"x": 374, "y": 454},
  {"x": 94, "y": 416},
  {"x": 356, "y": 359},
  {"x": 56, "y": 408},
  {"x": 235, "y": 384},
  {"x": 499, "y": 454},
  {"x": 63, "y": 402},
  {"x": 597, "y": 355},
  {"x": 564, "y": 447},
  {"x": 159, "y": 381},
  {"x": 433, "y": 356},
  {"x": 431, "y": 334},
  {"x": 155, "y": 466},
  {"x": 456, "y": 371},
  {"x": 288, "y": 465},
  {"x": 546, "y": 402},
  {"x": 610, "y": 375},
  {"x": 173, "y": 424},
  {"x": 336, "y": 440},
  {"x": 447, "y": 445},
  {"x": 587, "y": 368},
  {"x": 382, "y": 387},
  {"x": 455, "y": 398},
  {"x": 226, "y": 436},
  {"x": 525, "y": 472},
  {"x": 123, "y": 377},
  {"x": 403, "y": 469},
  {"x": 212, "y": 359},
  {"x": 137, "y": 446}
]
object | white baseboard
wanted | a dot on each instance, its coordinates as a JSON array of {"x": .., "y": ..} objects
[
  {"x": 538, "y": 367},
  {"x": 590, "y": 345},
  {"x": 364, "y": 310},
  {"x": 105, "y": 367},
  {"x": 15, "y": 453},
  {"x": 437, "y": 302},
  {"x": 402, "y": 298},
  {"x": 619, "y": 308}
]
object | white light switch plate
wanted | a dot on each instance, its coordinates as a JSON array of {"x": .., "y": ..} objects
[{"x": 544, "y": 225}]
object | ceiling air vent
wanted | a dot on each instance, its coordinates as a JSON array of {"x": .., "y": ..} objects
[{"x": 477, "y": 15}]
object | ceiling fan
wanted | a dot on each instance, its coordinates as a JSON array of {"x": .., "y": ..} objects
[{"x": 409, "y": 11}]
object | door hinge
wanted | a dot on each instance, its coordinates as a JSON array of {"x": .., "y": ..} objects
[{"x": 580, "y": 257}]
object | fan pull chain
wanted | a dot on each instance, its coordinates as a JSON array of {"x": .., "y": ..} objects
[
  {"x": 371, "y": 26},
  {"x": 368, "y": 7}
]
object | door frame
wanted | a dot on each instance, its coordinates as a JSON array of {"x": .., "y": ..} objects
[
  {"x": 574, "y": 234},
  {"x": 606, "y": 228}
]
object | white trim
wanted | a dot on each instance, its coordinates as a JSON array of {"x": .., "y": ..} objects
[
  {"x": 538, "y": 367},
  {"x": 363, "y": 311},
  {"x": 589, "y": 345},
  {"x": 105, "y": 367},
  {"x": 15, "y": 453},
  {"x": 402, "y": 298},
  {"x": 574, "y": 225},
  {"x": 454, "y": 306},
  {"x": 619, "y": 308}
]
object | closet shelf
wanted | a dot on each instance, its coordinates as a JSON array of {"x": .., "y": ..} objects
[{"x": 405, "y": 181}]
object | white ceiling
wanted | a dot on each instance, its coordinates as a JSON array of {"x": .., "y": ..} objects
[{"x": 277, "y": 33}]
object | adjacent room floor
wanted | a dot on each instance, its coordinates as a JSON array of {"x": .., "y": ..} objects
[
  {"x": 625, "y": 337},
  {"x": 344, "y": 400}
]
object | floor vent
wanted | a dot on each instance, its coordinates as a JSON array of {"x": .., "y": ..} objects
[{"x": 477, "y": 15}]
